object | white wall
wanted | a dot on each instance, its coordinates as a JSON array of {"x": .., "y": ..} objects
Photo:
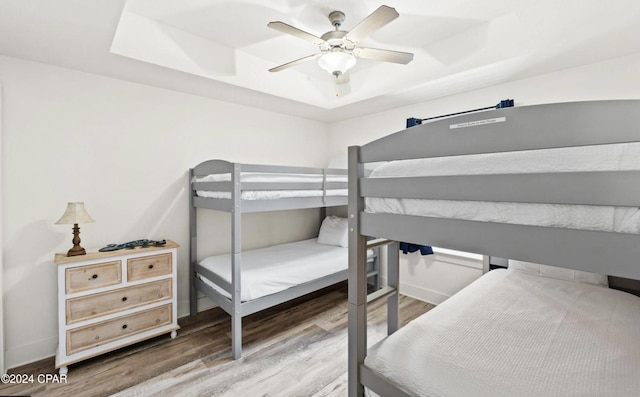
[
  {"x": 434, "y": 280},
  {"x": 124, "y": 149}
]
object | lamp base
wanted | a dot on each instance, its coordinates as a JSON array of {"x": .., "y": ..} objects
[{"x": 76, "y": 250}]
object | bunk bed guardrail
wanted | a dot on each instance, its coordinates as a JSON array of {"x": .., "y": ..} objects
[{"x": 323, "y": 180}]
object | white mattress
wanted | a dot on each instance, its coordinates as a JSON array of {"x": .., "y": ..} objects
[
  {"x": 515, "y": 334},
  {"x": 574, "y": 159},
  {"x": 273, "y": 194},
  {"x": 273, "y": 269},
  {"x": 272, "y": 177}
]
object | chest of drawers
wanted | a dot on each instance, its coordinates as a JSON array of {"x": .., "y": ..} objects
[{"x": 108, "y": 300}]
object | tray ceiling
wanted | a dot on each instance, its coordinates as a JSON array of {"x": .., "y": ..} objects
[{"x": 224, "y": 49}]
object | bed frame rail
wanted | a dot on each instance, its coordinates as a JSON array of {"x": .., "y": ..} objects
[
  {"x": 616, "y": 254},
  {"x": 619, "y": 188}
]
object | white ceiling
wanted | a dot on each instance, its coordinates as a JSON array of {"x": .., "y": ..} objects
[{"x": 223, "y": 48}]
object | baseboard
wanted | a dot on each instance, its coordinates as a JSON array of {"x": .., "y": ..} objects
[
  {"x": 423, "y": 294},
  {"x": 420, "y": 293},
  {"x": 204, "y": 303},
  {"x": 453, "y": 269}
]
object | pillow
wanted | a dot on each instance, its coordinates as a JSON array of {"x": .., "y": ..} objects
[
  {"x": 334, "y": 231},
  {"x": 559, "y": 273}
]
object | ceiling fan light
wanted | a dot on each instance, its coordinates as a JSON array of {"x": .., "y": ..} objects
[{"x": 337, "y": 62}]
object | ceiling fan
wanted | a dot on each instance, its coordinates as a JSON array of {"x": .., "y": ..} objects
[{"x": 339, "y": 49}]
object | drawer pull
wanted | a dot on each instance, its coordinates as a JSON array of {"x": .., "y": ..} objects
[
  {"x": 150, "y": 266},
  {"x": 124, "y": 326},
  {"x": 124, "y": 298},
  {"x": 95, "y": 276}
]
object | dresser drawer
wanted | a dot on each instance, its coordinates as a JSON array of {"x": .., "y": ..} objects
[
  {"x": 93, "y": 276},
  {"x": 84, "y": 338},
  {"x": 96, "y": 305},
  {"x": 148, "y": 266}
]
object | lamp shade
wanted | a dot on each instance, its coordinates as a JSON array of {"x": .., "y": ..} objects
[
  {"x": 75, "y": 213},
  {"x": 337, "y": 62}
]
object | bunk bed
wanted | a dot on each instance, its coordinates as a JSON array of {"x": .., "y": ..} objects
[
  {"x": 243, "y": 283},
  {"x": 530, "y": 330}
]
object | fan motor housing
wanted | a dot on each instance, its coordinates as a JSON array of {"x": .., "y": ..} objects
[
  {"x": 336, "y": 18},
  {"x": 334, "y": 37}
]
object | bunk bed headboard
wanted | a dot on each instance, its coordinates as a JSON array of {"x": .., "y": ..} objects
[
  {"x": 507, "y": 130},
  {"x": 531, "y": 127}
]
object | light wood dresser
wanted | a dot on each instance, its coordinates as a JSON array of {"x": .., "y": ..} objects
[{"x": 108, "y": 300}]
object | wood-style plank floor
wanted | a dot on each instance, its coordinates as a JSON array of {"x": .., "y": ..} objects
[{"x": 295, "y": 349}]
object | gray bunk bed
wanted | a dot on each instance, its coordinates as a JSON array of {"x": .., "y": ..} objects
[
  {"x": 247, "y": 188},
  {"x": 494, "y": 337}
]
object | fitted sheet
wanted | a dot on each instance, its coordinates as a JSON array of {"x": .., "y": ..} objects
[
  {"x": 266, "y": 177},
  {"x": 271, "y": 177},
  {"x": 273, "y": 194},
  {"x": 511, "y": 333},
  {"x": 273, "y": 269},
  {"x": 573, "y": 159}
]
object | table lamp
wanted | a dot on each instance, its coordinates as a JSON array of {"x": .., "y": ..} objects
[{"x": 75, "y": 213}]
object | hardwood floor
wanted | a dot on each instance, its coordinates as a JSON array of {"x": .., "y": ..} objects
[{"x": 296, "y": 349}]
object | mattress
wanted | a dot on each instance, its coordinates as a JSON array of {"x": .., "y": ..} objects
[
  {"x": 273, "y": 194},
  {"x": 265, "y": 177},
  {"x": 573, "y": 159},
  {"x": 273, "y": 269},
  {"x": 271, "y": 177},
  {"x": 511, "y": 333}
]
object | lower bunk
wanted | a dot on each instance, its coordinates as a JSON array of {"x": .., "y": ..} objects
[
  {"x": 273, "y": 275},
  {"x": 516, "y": 333}
]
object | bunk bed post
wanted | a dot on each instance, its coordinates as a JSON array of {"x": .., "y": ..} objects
[
  {"x": 236, "y": 249},
  {"x": 486, "y": 262},
  {"x": 193, "y": 249},
  {"x": 357, "y": 307},
  {"x": 393, "y": 281},
  {"x": 324, "y": 186}
]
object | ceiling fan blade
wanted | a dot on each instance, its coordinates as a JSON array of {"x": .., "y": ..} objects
[
  {"x": 383, "y": 55},
  {"x": 284, "y": 28},
  {"x": 296, "y": 62},
  {"x": 377, "y": 19}
]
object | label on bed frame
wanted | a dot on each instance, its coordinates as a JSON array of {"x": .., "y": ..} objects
[{"x": 478, "y": 122}]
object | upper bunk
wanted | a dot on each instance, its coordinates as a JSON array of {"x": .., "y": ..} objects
[
  {"x": 520, "y": 163},
  {"x": 225, "y": 186}
]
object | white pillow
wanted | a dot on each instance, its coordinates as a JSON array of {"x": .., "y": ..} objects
[
  {"x": 334, "y": 231},
  {"x": 559, "y": 273}
]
